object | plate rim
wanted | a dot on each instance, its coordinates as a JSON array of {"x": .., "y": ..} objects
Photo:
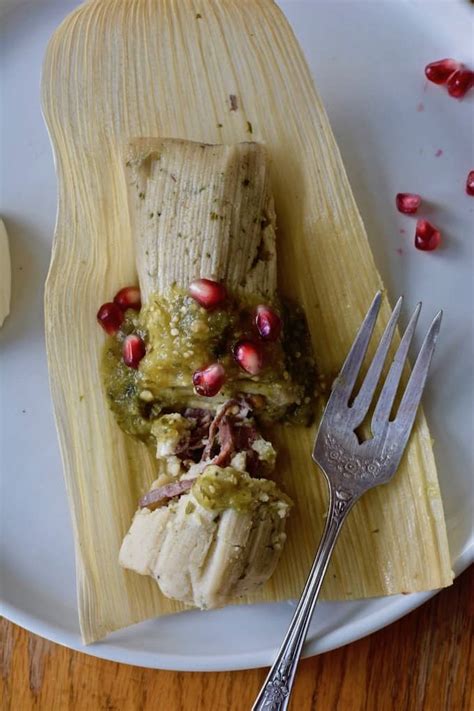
[
  {"x": 396, "y": 607},
  {"x": 393, "y": 609}
]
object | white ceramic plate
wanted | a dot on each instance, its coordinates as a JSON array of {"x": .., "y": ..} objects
[{"x": 368, "y": 61}]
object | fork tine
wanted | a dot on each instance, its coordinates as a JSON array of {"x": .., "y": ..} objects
[
  {"x": 413, "y": 391},
  {"x": 389, "y": 390},
  {"x": 345, "y": 381},
  {"x": 364, "y": 397}
]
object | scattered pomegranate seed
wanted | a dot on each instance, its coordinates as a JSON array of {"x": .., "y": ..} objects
[
  {"x": 133, "y": 350},
  {"x": 249, "y": 355},
  {"x": 110, "y": 317},
  {"x": 268, "y": 323},
  {"x": 408, "y": 203},
  {"x": 427, "y": 236},
  {"x": 460, "y": 82},
  {"x": 440, "y": 71},
  {"x": 470, "y": 183},
  {"x": 128, "y": 298},
  {"x": 207, "y": 293},
  {"x": 208, "y": 381}
]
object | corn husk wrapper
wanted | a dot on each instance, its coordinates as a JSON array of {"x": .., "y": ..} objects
[{"x": 219, "y": 72}]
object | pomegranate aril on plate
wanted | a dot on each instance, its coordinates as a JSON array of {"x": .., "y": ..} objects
[
  {"x": 128, "y": 298},
  {"x": 110, "y": 317},
  {"x": 408, "y": 203},
  {"x": 207, "y": 293},
  {"x": 470, "y": 183},
  {"x": 133, "y": 350},
  {"x": 460, "y": 82},
  {"x": 268, "y": 323},
  {"x": 440, "y": 71},
  {"x": 208, "y": 381},
  {"x": 427, "y": 236},
  {"x": 249, "y": 355}
]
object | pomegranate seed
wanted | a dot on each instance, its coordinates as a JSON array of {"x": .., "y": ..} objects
[
  {"x": 207, "y": 293},
  {"x": 427, "y": 237},
  {"x": 208, "y": 381},
  {"x": 249, "y": 355},
  {"x": 460, "y": 83},
  {"x": 133, "y": 350},
  {"x": 440, "y": 71},
  {"x": 268, "y": 323},
  {"x": 110, "y": 317},
  {"x": 470, "y": 183},
  {"x": 128, "y": 298},
  {"x": 408, "y": 203}
]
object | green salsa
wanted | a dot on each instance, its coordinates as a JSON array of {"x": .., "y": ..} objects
[
  {"x": 181, "y": 337},
  {"x": 219, "y": 489}
]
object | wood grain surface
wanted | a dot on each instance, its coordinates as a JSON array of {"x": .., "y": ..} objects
[{"x": 423, "y": 662}]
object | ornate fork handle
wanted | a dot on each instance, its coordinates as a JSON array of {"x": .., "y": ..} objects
[
  {"x": 275, "y": 693},
  {"x": 352, "y": 467}
]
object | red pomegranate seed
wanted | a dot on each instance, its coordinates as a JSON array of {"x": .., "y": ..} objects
[
  {"x": 208, "y": 381},
  {"x": 268, "y": 323},
  {"x": 470, "y": 183},
  {"x": 133, "y": 350},
  {"x": 440, "y": 71},
  {"x": 460, "y": 82},
  {"x": 408, "y": 203},
  {"x": 110, "y": 317},
  {"x": 128, "y": 298},
  {"x": 427, "y": 237},
  {"x": 207, "y": 293},
  {"x": 249, "y": 355}
]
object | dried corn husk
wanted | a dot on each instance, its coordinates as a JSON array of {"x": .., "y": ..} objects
[{"x": 219, "y": 72}]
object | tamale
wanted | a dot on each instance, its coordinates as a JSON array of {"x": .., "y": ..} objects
[{"x": 204, "y": 210}]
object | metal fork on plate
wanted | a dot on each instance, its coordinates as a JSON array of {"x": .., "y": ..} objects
[{"x": 351, "y": 468}]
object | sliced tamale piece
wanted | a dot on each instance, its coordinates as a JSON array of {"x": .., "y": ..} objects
[
  {"x": 202, "y": 210},
  {"x": 202, "y": 556}
]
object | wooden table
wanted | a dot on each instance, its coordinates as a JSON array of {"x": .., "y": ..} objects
[{"x": 421, "y": 663}]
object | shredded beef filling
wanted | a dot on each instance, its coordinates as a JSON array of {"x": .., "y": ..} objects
[
  {"x": 214, "y": 438},
  {"x": 155, "y": 497}
]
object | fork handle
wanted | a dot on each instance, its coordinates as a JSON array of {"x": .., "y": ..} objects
[{"x": 275, "y": 692}]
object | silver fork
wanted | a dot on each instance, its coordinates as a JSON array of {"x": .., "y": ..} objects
[{"x": 352, "y": 468}]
